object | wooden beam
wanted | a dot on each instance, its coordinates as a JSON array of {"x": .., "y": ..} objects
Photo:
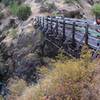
[{"x": 86, "y": 34}]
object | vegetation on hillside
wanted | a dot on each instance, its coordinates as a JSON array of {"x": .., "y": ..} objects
[
  {"x": 96, "y": 9},
  {"x": 64, "y": 79},
  {"x": 21, "y": 11}
]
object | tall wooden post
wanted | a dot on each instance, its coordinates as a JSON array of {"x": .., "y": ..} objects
[
  {"x": 43, "y": 23},
  {"x": 73, "y": 34},
  {"x": 40, "y": 20},
  {"x": 56, "y": 27},
  {"x": 51, "y": 25},
  {"x": 64, "y": 36},
  {"x": 47, "y": 23},
  {"x": 86, "y": 34}
]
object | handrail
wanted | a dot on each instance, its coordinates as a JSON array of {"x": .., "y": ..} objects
[{"x": 61, "y": 24}]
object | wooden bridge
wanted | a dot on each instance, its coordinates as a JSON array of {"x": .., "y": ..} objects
[{"x": 69, "y": 34}]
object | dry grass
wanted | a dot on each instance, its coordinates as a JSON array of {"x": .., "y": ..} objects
[
  {"x": 16, "y": 87},
  {"x": 65, "y": 82}
]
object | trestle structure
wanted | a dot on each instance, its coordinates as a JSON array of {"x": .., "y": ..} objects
[{"x": 69, "y": 34}]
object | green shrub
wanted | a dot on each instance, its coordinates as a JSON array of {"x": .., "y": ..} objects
[
  {"x": 96, "y": 9},
  {"x": 14, "y": 8},
  {"x": 23, "y": 12}
]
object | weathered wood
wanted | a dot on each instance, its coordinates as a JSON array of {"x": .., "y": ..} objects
[
  {"x": 47, "y": 23},
  {"x": 59, "y": 30},
  {"x": 51, "y": 25},
  {"x": 64, "y": 36},
  {"x": 43, "y": 22},
  {"x": 86, "y": 34},
  {"x": 57, "y": 26},
  {"x": 73, "y": 34},
  {"x": 39, "y": 20}
]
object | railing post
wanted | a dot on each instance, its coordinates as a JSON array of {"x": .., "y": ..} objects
[
  {"x": 57, "y": 27},
  {"x": 64, "y": 36},
  {"x": 86, "y": 34},
  {"x": 51, "y": 26},
  {"x": 47, "y": 22},
  {"x": 39, "y": 21},
  {"x": 43, "y": 22},
  {"x": 73, "y": 33}
]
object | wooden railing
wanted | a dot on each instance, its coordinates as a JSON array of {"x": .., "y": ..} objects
[{"x": 69, "y": 31}]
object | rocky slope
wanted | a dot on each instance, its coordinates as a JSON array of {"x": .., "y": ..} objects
[
  {"x": 20, "y": 43},
  {"x": 81, "y": 8}
]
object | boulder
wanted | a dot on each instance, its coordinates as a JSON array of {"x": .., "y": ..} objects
[
  {"x": 7, "y": 23},
  {"x": 47, "y": 7},
  {"x": 91, "y": 2},
  {"x": 6, "y": 12},
  {"x": 71, "y": 11}
]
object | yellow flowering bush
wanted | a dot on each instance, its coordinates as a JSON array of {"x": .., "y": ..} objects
[{"x": 65, "y": 81}]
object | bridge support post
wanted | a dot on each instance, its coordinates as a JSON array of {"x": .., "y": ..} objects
[
  {"x": 64, "y": 36},
  {"x": 38, "y": 21},
  {"x": 51, "y": 25},
  {"x": 43, "y": 22},
  {"x": 86, "y": 34},
  {"x": 56, "y": 27},
  {"x": 73, "y": 34},
  {"x": 47, "y": 26},
  {"x": 47, "y": 23}
]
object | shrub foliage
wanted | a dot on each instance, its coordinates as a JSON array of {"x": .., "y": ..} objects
[
  {"x": 96, "y": 9},
  {"x": 64, "y": 81},
  {"x": 21, "y": 11}
]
